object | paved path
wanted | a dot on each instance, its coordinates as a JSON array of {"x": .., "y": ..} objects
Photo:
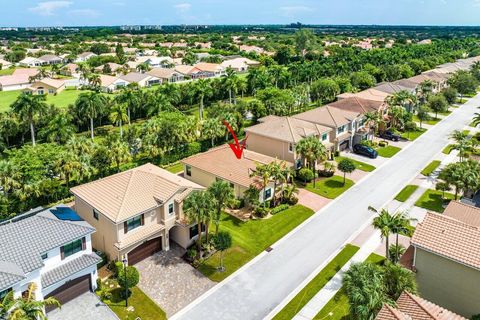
[
  {"x": 85, "y": 307},
  {"x": 257, "y": 288}
]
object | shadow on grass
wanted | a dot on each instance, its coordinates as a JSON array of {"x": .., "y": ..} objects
[{"x": 334, "y": 184}]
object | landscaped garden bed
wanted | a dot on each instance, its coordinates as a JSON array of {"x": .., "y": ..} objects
[
  {"x": 413, "y": 135},
  {"x": 434, "y": 200},
  {"x": 406, "y": 193},
  {"x": 431, "y": 167},
  {"x": 362, "y": 166},
  {"x": 388, "y": 151},
  {"x": 329, "y": 187}
]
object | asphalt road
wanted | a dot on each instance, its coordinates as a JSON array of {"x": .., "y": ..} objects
[{"x": 259, "y": 288}]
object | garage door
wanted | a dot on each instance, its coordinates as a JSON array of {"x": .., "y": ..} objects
[
  {"x": 71, "y": 290},
  {"x": 145, "y": 250},
  {"x": 344, "y": 145}
]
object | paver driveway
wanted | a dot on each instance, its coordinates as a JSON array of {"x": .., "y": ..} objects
[
  {"x": 85, "y": 307},
  {"x": 171, "y": 282}
]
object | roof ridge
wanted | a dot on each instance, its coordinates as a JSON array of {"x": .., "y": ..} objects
[
  {"x": 125, "y": 193},
  {"x": 328, "y": 110},
  {"x": 361, "y": 104},
  {"x": 445, "y": 217},
  {"x": 290, "y": 128},
  {"x": 70, "y": 223},
  {"x": 414, "y": 298}
]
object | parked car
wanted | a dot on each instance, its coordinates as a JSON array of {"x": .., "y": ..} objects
[
  {"x": 365, "y": 151},
  {"x": 389, "y": 135}
]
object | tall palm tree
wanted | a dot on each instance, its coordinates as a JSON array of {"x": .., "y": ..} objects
[
  {"x": 171, "y": 91},
  {"x": 372, "y": 119},
  {"x": 462, "y": 143},
  {"x": 130, "y": 97},
  {"x": 198, "y": 208},
  {"x": 425, "y": 89},
  {"x": 91, "y": 104},
  {"x": 27, "y": 106},
  {"x": 223, "y": 194},
  {"x": 262, "y": 172},
  {"x": 119, "y": 152},
  {"x": 118, "y": 116},
  {"x": 203, "y": 89},
  {"x": 231, "y": 83},
  {"x": 400, "y": 226},
  {"x": 277, "y": 172},
  {"x": 212, "y": 128},
  {"x": 59, "y": 129},
  {"x": 383, "y": 222},
  {"x": 28, "y": 308},
  {"x": 311, "y": 149}
]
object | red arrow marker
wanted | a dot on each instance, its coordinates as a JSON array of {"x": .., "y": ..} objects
[{"x": 236, "y": 147}]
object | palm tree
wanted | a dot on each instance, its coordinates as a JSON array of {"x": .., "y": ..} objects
[
  {"x": 119, "y": 152},
  {"x": 156, "y": 103},
  {"x": 223, "y": 194},
  {"x": 462, "y": 143},
  {"x": 400, "y": 226},
  {"x": 403, "y": 99},
  {"x": 231, "y": 83},
  {"x": 94, "y": 81},
  {"x": 67, "y": 166},
  {"x": 277, "y": 172},
  {"x": 397, "y": 280},
  {"x": 198, "y": 207},
  {"x": 203, "y": 89},
  {"x": 372, "y": 119},
  {"x": 212, "y": 128},
  {"x": 9, "y": 177},
  {"x": 27, "y": 307},
  {"x": 222, "y": 242},
  {"x": 383, "y": 222},
  {"x": 118, "y": 116},
  {"x": 91, "y": 104},
  {"x": 130, "y": 97},
  {"x": 59, "y": 129},
  {"x": 425, "y": 89},
  {"x": 311, "y": 149},
  {"x": 262, "y": 172},
  {"x": 28, "y": 106},
  {"x": 171, "y": 91}
]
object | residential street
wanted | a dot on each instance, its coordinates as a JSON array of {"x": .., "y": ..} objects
[{"x": 260, "y": 287}]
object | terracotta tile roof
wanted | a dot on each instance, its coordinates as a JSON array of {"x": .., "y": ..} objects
[
  {"x": 358, "y": 105},
  {"x": 222, "y": 163},
  {"x": 327, "y": 116},
  {"x": 14, "y": 80},
  {"x": 423, "y": 77},
  {"x": 25, "y": 71},
  {"x": 134, "y": 191},
  {"x": 287, "y": 129},
  {"x": 187, "y": 70},
  {"x": 209, "y": 67},
  {"x": 406, "y": 83},
  {"x": 55, "y": 83},
  {"x": 162, "y": 73},
  {"x": 463, "y": 212},
  {"x": 369, "y": 94},
  {"x": 107, "y": 80},
  {"x": 412, "y": 307},
  {"x": 448, "y": 237},
  {"x": 391, "y": 88}
]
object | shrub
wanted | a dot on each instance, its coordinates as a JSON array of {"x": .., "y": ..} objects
[
  {"x": 102, "y": 255},
  {"x": 105, "y": 295},
  {"x": 293, "y": 200},
  {"x": 260, "y": 211},
  {"x": 475, "y": 317},
  {"x": 99, "y": 284},
  {"x": 306, "y": 175},
  {"x": 131, "y": 279},
  {"x": 383, "y": 144},
  {"x": 279, "y": 208},
  {"x": 235, "y": 204},
  {"x": 191, "y": 253}
]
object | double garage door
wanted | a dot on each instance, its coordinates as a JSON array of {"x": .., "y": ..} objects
[
  {"x": 145, "y": 250},
  {"x": 71, "y": 290}
]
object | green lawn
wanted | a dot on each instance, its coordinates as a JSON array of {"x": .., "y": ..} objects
[
  {"x": 448, "y": 149},
  {"x": 6, "y": 72},
  {"x": 61, "y": 100},
  {"x": 144, "y": 307},
  {"x": 414, "y": 134},
  {"x": 251, "y": 238},
  {"x": 432, "y": 200},
  {"x": 330, "y": 187},
  {"x": 432, "y": 166},
  {"x": 432, "y": 121},
  {"x": 358, "y": 164},
  {"x": 406, "y": 192},
  {"x": 317, "y": 283},
  {"x": 461, "y": 101},
  {"x": 338, "y": 308},
  {"x": 175, "y": 168},
  {"x": 388, "y": 151}
]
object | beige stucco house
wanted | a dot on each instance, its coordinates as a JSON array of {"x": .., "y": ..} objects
[
  {"x": 447, "y": 258},
  {"x": 136, "y": 212},
  {"x": 46, "y": 86}
]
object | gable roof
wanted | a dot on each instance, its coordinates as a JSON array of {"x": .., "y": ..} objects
[
  {"x": 163, "y": 73},
  {"x": 55, "y": 83},
  {"x": 186, "y": 69},
  {"x": 369, "y": 94},
  {"x": 129, "y": 193},
  {"x": 463, "y": 212},
  {"x": 238, "y": 63},
  {"x": 327, "y": 116},
  {"x": 135, "y": 76},
  {"x": 450, "y": 238},
  {"x": 24, "y": 240},
  {"x": 209, "y": 67},
  {"x": 407, "y": 83},
  {"x": 222, "y": 163},
  {"x": 12, "y": 80},
  {"x": 412, "y": 307},
  {"x": 49, "y": 57},
  {"x": 391, "y": 88},
  {"x": 107, "y": 80},
  {"x": 356, "y": 104},
  {"x": 25, "y": 71},
  {"x": 86, "y": 54},
  {"x": 287, "y": 129}
]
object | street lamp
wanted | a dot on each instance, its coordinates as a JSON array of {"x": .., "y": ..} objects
[{"x": 126, "y": 284}]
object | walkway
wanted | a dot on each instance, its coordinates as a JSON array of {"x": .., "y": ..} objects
[{"x": 258, "y": 287}]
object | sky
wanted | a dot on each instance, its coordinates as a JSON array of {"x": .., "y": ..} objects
[{"x": 23, "y": 13}]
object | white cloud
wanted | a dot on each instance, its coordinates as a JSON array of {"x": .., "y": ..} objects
[
  {"x": 294, "y": 10},
  {"x": 183, "y": 7},
  {"x": 88, "y": 13},
  {"x": 476, "y": 3},
  {"x": 48, "y": 8}
]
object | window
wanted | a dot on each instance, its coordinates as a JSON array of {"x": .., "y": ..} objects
[
  {"x": 170, "y": 209},
  {"x": 72, "y": 248},
  {"x": 341, "y": 129},
  {"x": 133, "y": 223},
  {"x": 44, "y": 256},
  {"x": 268, "y": 193},
  {"x": 194, "y": 230},
  {"x": 290, "y": 147},
  {"x": 324, "y": 136},
  {"x": 95, "y": 214},
  {"x": 50, "y": 91},
  {"x": 232, "y": 185},
  {"x": 188, "y": 171}
]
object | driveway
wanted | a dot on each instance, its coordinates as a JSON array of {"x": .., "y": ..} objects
[
  {"x": 171, "y": 282},
  {"x": 85, "y": 307},
  {"x": 256, "y": 289}
]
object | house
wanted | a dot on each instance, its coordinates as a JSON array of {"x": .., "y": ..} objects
[
  {"x": 14, "y": 82},
  {"x": 446, "y": 258},
  {"x": 277, "y": 136},
  {"x": 368, "y": 94},
  {"x": 240, "y": 64},
  {"x": 210, "y": 69},
  {"x": 344, "y": 124},
  {"x": 4, "y": 64},
  {"x": 439, "y": 82},
  {"x": 84, "y": 56},
  {"x": 409, "y": 306},
  {"x": 136, "y": 212},
  {"x": 114, "y": 67},
  {"x": 49, "y": 59},
  {"x": 143, "y": 79},
  {"x": 166, "y": 75},
  {"x": 191, "y": 72},
  {"x": 249, "y": 49},
  {"x": 111, "y": 84},
  {"x": 156, "y": 62},
  {"x": 30, "y": 62},
  {"x": 392, "y": 88},
  {"x": 30, "y": 72},
  {"x": 221, "y": 164},
  {"x": 46, "y": 86},
  {"x": 51, "y": 248},
  {"x": 70, "y": 70}
]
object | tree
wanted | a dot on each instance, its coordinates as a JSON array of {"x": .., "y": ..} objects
[
  {"x": 364, "y": 287},
  {"x": 27, "y": 307},
  {"x": 59, "y": 129},
  {"x": 324, "y": 90},
  {"x": 437, "y": 103},
  {"x": 27, "y": 107},
  {"x": 91, "y": 104},
  {"x": 222, "y": 241},
  {"x": 403, "y": 99},
  {"x": 450, "y": 95},
  {"x": 443, "y": 186},
  {"x": 463, "y": 82},
  {"x": 68, "y": 166},
  {"x": 223, "y": 194},
  {"x": 304, "y": 39},
  {"x": 95, "y": 81},
  {"x": 346, "y": 165},
  {"x": 118, "y": 115},
  {"x": 384, "y": 222},
  {"x": 262, "y": 172},
  {"x": 212, "y": 128},
  {"x": 311, "y": 149},
  {"x": 231, "y": 83},
  {"x": 400, "y": 225},
  {"x": 198, "y": 208},
  {"x": 462, "y": 143},
  {"x": 423, "y": 114},
  {"x": 372, "y": 119},
  {"x": 119, "y": 152},
  {"x": 397, "y": 280},
  {"x": 203, "y": 89},
  {"x": 362, "y": 80},
  {"x": 128, "y": 277},
  {"x": 452, "y": 174},
  {"x": 130, "y": 96},
  {"x": 120, "y": 53}
]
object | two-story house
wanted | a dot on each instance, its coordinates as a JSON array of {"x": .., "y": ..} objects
[
  {"x": 51, "y": 248},
  {"x": 446, "y": 258},
  {"x": 277, "y": 137},
  {"x": 136, "y": 212}
]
